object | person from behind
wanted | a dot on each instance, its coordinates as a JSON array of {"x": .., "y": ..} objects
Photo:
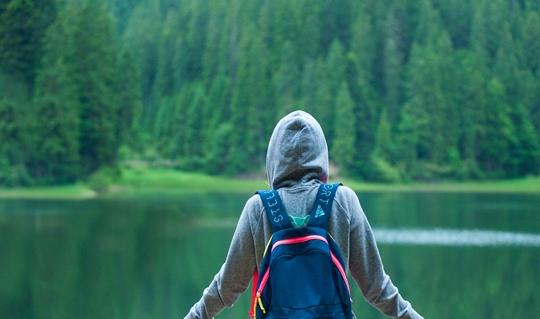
[{"x": 299, "y": 240}]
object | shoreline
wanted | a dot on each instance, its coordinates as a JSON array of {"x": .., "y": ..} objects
[
  {"x": 136, "y": 181},
  {"x": 65, "y": 192}
]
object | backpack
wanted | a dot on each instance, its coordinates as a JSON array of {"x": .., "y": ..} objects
[{"x": 302, "y": 274}]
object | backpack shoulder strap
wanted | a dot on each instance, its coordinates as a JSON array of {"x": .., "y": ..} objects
[
  {"x": 322, "y": 208},
  {"x": 275, "y": 211}
]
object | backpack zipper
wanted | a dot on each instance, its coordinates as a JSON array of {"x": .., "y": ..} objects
[
  {"x": 264, "y": 280},
  {"x": 298, "y": 240}
]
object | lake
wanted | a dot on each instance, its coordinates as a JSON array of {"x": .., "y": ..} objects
[{"x": 150, "y": 256}]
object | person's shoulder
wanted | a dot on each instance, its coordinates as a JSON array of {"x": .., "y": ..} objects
[
  {"x": 347, "y": 198},
  {"x": 252, "y": 212},
  {"x": 254, "y": 202},
  {"x": 345, "y": 193},
  {"x": 254, "y": 206}
]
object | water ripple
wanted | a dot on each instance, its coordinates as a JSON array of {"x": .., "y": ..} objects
[
  {"x": 418, "y": 236},
  {"x": 454, "y": 237}
]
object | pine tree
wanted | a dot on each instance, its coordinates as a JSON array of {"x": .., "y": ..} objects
[
  {"x": 170, "y": 69},
  {"x": 336, "y": 19},
  {"x": 335, "y": 68},
  {"x": 141, "y": 37},
  {"x": 55, "y": 158},
  {"x": 412, "y": 121},
  {"x": 394, "y": 55},
  {"x": 486, "y": 28},
  {"x": 429, "y": 23},
  {"x": 343, "y": 145},
  {"x": 213, "y": 60},
  {"x": 362, "y": 59},
  {"x": 381, "y": 169},
  {"x": 324, "y": 97},
  {"x": 129, "y": 99},
  {"x": 497, "y": 134},
  {"x": 218, "y": 103},
  {"x": 167, "y": 135},
  {"x": 196, "y": 122},
  {"x": 195, "y": 38},
  {"x": 531, "y": 54},
  {"x": 22, "y": 25},
  {"x": 219, "y": 151},
  {"x": 309, "y": 29},
  {"x": 286, "y": 81},
  {"x": 525, "y": 144},
  {"x": 469, "y": 99},
  {"x": 249, "y": 106},
  {"x": 531, "y": 45},
  {"x": 91, "y": 63},
  {"x": 172, "y": 134},
  {"x": 457, "y": 18},
  {"x": 383, "y": 139},
  {"x": 428, "y": 106},
  {"x": 525, "y": 153},
  {"x": 21, "y": 28},
  {"x": 14, "y": 137}
]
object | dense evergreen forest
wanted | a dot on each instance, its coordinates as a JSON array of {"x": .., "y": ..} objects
[{"x": 404, "y": 89}]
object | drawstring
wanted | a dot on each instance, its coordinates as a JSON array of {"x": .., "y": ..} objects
[{"x": 260, "y": 303}]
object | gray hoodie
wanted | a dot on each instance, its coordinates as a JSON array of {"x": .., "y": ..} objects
[{"x": 296, "y": 163}]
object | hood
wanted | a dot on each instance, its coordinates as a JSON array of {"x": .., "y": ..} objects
[{"x": 297, "y": 151}]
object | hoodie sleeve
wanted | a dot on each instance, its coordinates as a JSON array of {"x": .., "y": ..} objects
[
  {"x": 234, "y": 275},
  {"x": 367, "y": 268}
]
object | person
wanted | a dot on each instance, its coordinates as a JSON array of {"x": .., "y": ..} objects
[{"x": 296, "y": 164}]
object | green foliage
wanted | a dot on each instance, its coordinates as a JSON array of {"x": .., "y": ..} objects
[
  {"x": 383, "y": 139},
  {"x": 55, "y": 158},
  {"x": 336, "y": 66},
  {"x": 497, "y": 136},
  {"x": 343, "y": 144},
  {"x": 91, "y": 63},
  {"x": 14, "y": 137},
  {"x": 101, "y": 180},
  {"x": 531, "y": 45},
  {"x": 424, "y": 89},
  {"x": 218, "y": 158},
  {"x": 22, "y": 25},
  {"x": 383, "y": 171},
  {"x": 196, "y": 118},
  {"x": 129, "y": 108}
]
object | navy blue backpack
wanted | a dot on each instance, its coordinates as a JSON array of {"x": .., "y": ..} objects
[{"x": 302, "y": 275}]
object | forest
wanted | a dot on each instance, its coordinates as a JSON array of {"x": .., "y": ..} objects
[{"x": 404, "y": 89}]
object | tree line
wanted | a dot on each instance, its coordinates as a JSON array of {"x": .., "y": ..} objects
[{"x": 425, "y": 89}]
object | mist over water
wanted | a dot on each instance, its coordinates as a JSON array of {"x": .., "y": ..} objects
[
  {"x": 454, "y": 237},
  {"x": 451, "y": 255}
]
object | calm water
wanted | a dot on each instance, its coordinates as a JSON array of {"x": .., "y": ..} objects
[{"x": 452, "y": 255}]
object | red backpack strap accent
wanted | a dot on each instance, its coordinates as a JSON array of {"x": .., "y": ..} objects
[{"x": 254, "y": 284}]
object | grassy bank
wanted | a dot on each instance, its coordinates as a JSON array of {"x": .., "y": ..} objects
[
  {"x": 77, "y": 191},
  {"x": 522, "y": 185},
  {"x": 148, "y": 181},
  {"x": 167, "y": 180},
  {"x": 157, "y": 179}
]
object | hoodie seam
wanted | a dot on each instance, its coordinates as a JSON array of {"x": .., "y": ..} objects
[
  {"x": 342, "y": 208},
  {"x": 259, "y": 212}
]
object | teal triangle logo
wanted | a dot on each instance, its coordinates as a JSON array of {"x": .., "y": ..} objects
[
  {"x": 299, "y": 221},
  {"x": 319, "y": 212}
]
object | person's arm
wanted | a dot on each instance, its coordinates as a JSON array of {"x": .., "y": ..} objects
[
  {"x": 235, "y": 274},
  {"x": 367, "y": 269}
]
